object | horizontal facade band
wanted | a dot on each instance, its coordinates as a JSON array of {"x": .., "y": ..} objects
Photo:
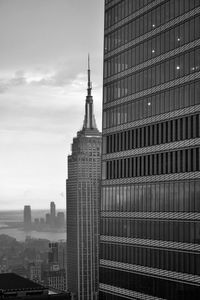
[
  {"x": 153, "y": 215},
  {"x": 153, "y": 149},
  {"x": 151, "y": 243},
  {"x": 153, "y": 61},
  {"x": 114, "y": 290},
  {"x": 148, "y": 271},
  {"x": 132, "y": 16},
  {"x": 153, "y": 90},
  {"x": 111, "y": 3},
  {"x": 153, "y": 178},
  {"x": 151, "y": 34},
  {"x": 153, "y": 119}
]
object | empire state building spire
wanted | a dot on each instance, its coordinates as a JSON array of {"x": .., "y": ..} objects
[
  {"x": 89, "y": 125},
  {"x": 89, "y": 89}
]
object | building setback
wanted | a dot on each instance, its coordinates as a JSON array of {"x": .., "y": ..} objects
[
  {"x": 150, "y": 208},
  {"x": 83, "y": 198}
]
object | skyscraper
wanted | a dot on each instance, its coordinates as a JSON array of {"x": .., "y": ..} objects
[
  {"x": 83, "y": 198},
  {"x": 53, "y": 210},
  {"x": 27, "y": 217},
  {"x": 53, "y": 213},
  {"x": 150, "y": 208}
]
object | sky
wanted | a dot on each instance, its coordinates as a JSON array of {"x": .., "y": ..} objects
[{"x": 43, "y": 82}]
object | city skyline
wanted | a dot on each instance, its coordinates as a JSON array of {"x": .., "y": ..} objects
[{"x": 42, "y": 83}]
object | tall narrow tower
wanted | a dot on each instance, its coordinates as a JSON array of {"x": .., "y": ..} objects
[
  {"x": 27, "y": 217},
  {"x": 83, "y": 197},
  {"x": 52, "y": 213},
  {"x": 53, "y": 209}
]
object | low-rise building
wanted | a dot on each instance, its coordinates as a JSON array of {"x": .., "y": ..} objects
[
  {"x": 55, "y": 279},
  {"x": 35, "y": 272},
  {"x": 13, "y": 286}
]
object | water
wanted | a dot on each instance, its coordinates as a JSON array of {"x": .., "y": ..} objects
[{"x": 20, "y": 235}]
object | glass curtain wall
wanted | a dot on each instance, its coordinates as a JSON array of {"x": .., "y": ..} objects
[{"x": 150, "y": 197}]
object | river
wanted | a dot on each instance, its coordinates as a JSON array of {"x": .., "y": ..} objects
[{"x": 20, "y": 235}]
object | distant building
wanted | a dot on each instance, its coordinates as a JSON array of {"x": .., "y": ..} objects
[
  {"x": 60, "y": 220},
  {"x": 4, "y": 265},
  {"x": 53, "y": 210},
  {"x": 56, "y": 279},
  {"x": 53, "y": 254},
  {"x": 57, "y": 255},
  {"x": 62, "y": 255},
  {"x": 35, "y": 271},
  {"x": 36, "y": 221},
  {"x": 42, "y": 221},
  {"x": 83, "y": 197},
  {"x": 48, "y": 219},
  {"x": 27, "y": 217}
]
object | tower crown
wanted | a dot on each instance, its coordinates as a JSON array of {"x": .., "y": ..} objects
[{"x": 89, "y": 124}]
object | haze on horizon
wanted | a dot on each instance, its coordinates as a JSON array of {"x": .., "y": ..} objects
[{"x": 43, "y": 82}]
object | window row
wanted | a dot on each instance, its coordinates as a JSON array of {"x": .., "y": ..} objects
[
  {"x": 154, "y": 134},
  {"x": 176, "y": 261},
  {"x": 171, "y": 69},
  {"x": 164, "y": 42},
  {"x": 147, "y": 22},
  {"x": 165, "y": 230},
  {"x": 122, "y": 10},
  {"x": 108, "y": 1},
  {"x": 163, "y": 288},
  {"x": 161, "y": 102},
  {"x": 156, "y": 197},
  {"x": 110, "y": 296},
  {"x": 187, "y": 160}
]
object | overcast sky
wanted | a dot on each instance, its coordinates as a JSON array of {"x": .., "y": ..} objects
[{"x": 43, "y": 80}]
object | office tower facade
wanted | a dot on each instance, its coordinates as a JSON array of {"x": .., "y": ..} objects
[
  {"x": 27, "y": 217},
  {"x": 83, "y": 198},
  {"x": 150, "y": 206}
]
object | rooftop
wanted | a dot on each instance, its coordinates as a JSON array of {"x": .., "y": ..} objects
[{"x": 12, "y": 282}]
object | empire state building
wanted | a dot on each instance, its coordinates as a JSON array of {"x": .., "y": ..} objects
[{"x": 83, "y": 198}]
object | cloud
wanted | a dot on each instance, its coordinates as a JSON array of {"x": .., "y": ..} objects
[
  {"x": 41, "y": 100},
  {"x": 43, "y": 81},
  {"x": 12, "y": 80},
  {"x": 61, "y": 75}
]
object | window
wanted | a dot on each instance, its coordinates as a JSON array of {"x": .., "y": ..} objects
[
  {"x": 179, "y": 97},
  {"x": 186, "y": 160}
]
